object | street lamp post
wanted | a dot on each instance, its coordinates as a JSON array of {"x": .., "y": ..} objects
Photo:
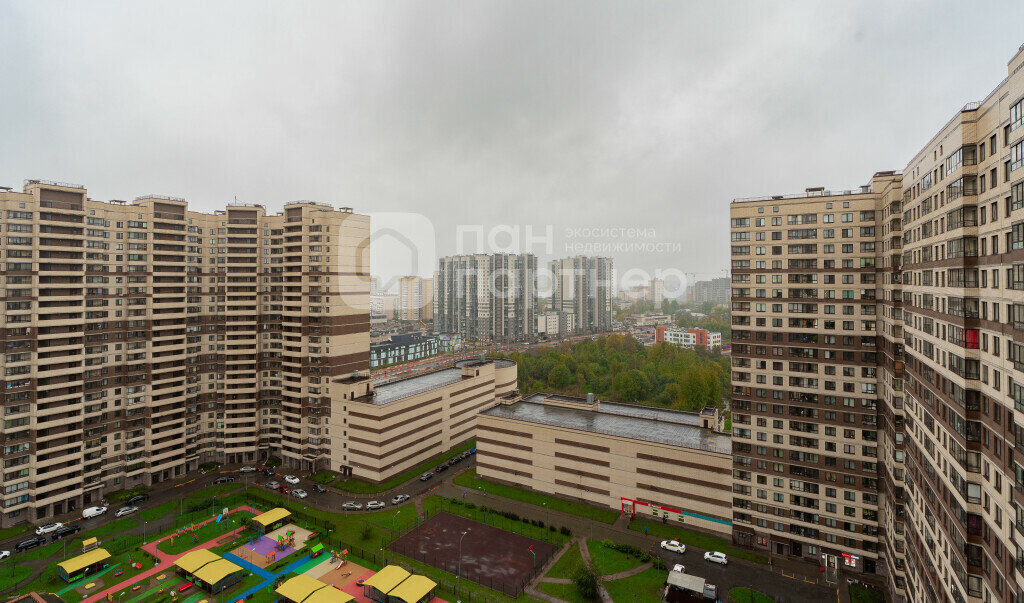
[
  {"x": 458, "y": 574},
  {"x": 394, "y": 520},
  {"x": 144, "y": 524}
]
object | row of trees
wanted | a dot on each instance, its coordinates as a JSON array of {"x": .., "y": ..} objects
[{"x": 620, "y": 368}]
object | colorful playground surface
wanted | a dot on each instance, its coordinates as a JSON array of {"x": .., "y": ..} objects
[{"x": 275, "y": 546}]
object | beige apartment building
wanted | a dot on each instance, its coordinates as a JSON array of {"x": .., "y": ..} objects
[
  {"x": 640, "y": 460},
  {"x": 386, "y": 429},
  {"x": 415, "y": 298},
  {"x": 141, "y": 339},
  {"x": 876, "y": 402}
]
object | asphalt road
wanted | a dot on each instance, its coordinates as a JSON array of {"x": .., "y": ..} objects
[{"x": 332, "y": 500}]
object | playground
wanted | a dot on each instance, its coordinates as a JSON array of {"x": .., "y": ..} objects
[
  {"x": 491, "y": 556},
  {"x": 275, "y": 546}
]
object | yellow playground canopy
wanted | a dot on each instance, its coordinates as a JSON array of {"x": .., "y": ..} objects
[
  {"x": 304, "y": 589},
  {"x": 191, "y": 562},
  {"x": 270, "y": 517},
  {"x": 387, "y": 578},
  {"x": 413, "y": 589},
  {"x": 215, "y": 571},
  {"x": 84, "y": 560}
]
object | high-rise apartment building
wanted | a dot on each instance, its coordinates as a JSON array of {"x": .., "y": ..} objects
[
  {"x": 877, "y": 408},
  {"x": 415, "y": 298},
  {"x": 656, "y": 291},
  {"x": 486, "y": 297},
  {"x": 142, "y": 338},
  {"x": 583, "y": 286},
  {"x": 715, "y": 291}
]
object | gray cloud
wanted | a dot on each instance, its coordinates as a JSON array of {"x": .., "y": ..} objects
[{"x": 574, "y": 114}]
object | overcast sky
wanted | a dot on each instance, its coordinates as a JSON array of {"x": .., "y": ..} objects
[{"x": 583, "y": 115}]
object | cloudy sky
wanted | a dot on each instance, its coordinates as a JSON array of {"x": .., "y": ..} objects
[{"x": 578, "y": 116}]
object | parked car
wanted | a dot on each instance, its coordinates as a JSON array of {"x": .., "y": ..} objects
[
  {"x": 50, "y": 527},
  {"x": 224, "y": 479},
  {"x": 247, "y": 469},
  {"x": 401, "y": 498},
  {"x": 4, "y": 555},
  {"x": 679, "y": 568},
  {"x": 268, "y": 472},
  {"x": 273, "y": 485},
  {"x": 440, "y": 468},
  {"x": 93, "y": 512},
  {"x": 319, "y": 488},
  {"x": 291, "y": 479},
  {"x": 299, "y": 493},
  {"x": 64, "y": 531},
  {"x": 138, "y": 498},
  {"x": 31, "y": 543},
  {"x": 673, "y": 545},
  {"x": 373, "y": 505},
  {"x": 125, "y": 511},
  {"x": 716, "y": 557},
  {"x": 352, "y": 506},
  {"x": 426, "y": 476},
  {"x": 283, "y": 489}
]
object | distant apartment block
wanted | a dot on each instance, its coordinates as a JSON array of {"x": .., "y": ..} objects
[
  {"x": 486, "y": 297},
  {"x": 415, "y": 298},
  {"x": 143, "y": 338},
  {"x": 583, "y": 287},
  {"x": 715, "y": 291},
  {"x": 688, "y": 338},
  {"x": 656, "y": 292},
  {"x": 667, "y": 465},
  {"x": 554, "y": 324}
]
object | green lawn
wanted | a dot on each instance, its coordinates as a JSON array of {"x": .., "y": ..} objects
[
  {"x": 208, "y": 531},
  {"x": 567, "y": 563},
  {"x": 469, "y": 479},
  {"x": 697, "y": 539},
  {"x": 18, "y": 530},
  {"x": 746, "y": 595},
  {"x": 648, "y": 585},
  {"x": 565, "y": 592},
  {"x": 358, "y": 486},
  {"x": 119, "y": 495},
  {"x": 74, "y": 545},
  {"x": 610, "y": 561},
  {"x": 324, "y": 477},
  {"x": 863, "y": 594},
  {"x": 13, "y": 575}
]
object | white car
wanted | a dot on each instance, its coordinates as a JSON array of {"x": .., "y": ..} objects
[
  {"x": 673, "y": 545},
  {"x": 125, "y": 511},
  {"x": 679, "y": 568},
  {"x": 50, "y": 527},
  {"x": 247, "y": 469},
  {"x": 4, "y": 555},
  {"x": 273, "y": 485},
  {"x": 299, "y": 493},
  {"x": 352, "y": 506},
  {"x": 373, "y": 505},
  {"x": 291, "y": 479},
  {"x": 401, "y": 498},
  {"x": 93, "y": 512},
  {"x": 716, "y": 557}
]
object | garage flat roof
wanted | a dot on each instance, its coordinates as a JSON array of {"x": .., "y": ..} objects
[{"x": 621, "y": 420}]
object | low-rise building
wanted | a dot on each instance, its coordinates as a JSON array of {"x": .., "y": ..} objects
[
  {"x": 688, "y": 338},
  {"x": 379, "y": 431},
  {"x": 641, "y": 460},
  {"x": 403, "y": 347}
]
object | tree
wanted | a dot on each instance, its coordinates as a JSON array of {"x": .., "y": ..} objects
[
  {"x": 560, "y": 377},
  {"x": 629, "y": 386},
  {"x": 586, "y": 580}
]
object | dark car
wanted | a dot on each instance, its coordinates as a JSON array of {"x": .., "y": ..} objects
[
  {"x": 268, "y": 472},
  {"x": 31, "y": 543},
  {"x": 138, "y": 498},
  {"x": 64, "y": 531},
  {"x": 224, "y": 479},
  {"x": 440, "y": 468},
  {"x": 319, "y": 488}
]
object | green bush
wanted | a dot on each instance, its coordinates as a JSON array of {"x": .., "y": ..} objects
[{"x": 586, "y": 580}]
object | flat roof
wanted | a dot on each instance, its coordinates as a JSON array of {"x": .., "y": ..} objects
[
  {"x": 404, "y": 388},
  {"x": 686, "y": 582},
  {"x": 630, "y": 421}
]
